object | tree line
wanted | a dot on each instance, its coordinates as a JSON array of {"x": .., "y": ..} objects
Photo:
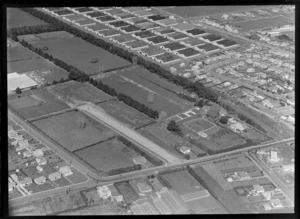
[
  {"x": 124, "y": 169},
  {"x": 150, "y": 158}
]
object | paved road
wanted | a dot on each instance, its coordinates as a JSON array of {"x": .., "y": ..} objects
[{"x": 127, "y": 132}]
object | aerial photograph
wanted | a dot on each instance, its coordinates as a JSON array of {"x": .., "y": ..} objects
[{"x": 165, "y": 110}]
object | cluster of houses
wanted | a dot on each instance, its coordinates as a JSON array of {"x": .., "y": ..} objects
[{"x": 19, "y": 143}]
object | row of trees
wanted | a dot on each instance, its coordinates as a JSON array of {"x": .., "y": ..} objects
[
  {"x": 17, "y": 31},
  {"x": 124, "y": 169},
  {"x": 196, "y": 87},
  {"x": 150, "y": 158}
]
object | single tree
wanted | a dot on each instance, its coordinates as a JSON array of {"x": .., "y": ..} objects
[
  {"x": 173, "y": 126},
  {"x": 18, "y": 90},
  {"x": 224, "y": 120}
]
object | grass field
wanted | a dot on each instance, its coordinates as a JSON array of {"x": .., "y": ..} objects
[
  {"x": 198, "y": 124},
  {"x": 78, "y": 53},
  {"x": 29, "y": 65},
  {"x": 79, "y": 91},
  {"x": 160, "y": 85},
  {"x": 126, "y": 114},
  {"x": 19, "y": 53},
  {"x": 127, "y": 191},
  {"x": 228, "y": 198},
  {"x": 105, "y": 156},
  {"x": 18, "y": 18},
  {"x": 140, "y": 93},
  {"x": 65, "y": 129},
  {"x": 264, "y": 23},
  {"x": 29, "y": 106},
  {"x": 183, "y": 182},
  {"x": 203, "y": 205},
  {"x": 196, "y": 11}
]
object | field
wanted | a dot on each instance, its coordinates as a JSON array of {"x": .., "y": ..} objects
[
  {"x": 27, "y": 65},
  {"x": 19, "y": 53},
  {"x": 126, "y": 114},
  {"x": 29, "y": 106},
  {"x": 73, "y": 130},
  {"x": 263, "y": 23},
  {"x": 78, "y": 53},
  {"x": 79, "y": 91},
  {"x": 228, "y": 198},
  {"x": 183, "y": 182},
  {"x": 198, "y": 124},
  {"x": 205, "y": 205},
  {"x": 196, "y": 11},
  {"x": 137, "y": 83},
  {"x": 127, "y": 191},
  {"x": 18, "y": 18},
  {"x": 106, "y": 156}
]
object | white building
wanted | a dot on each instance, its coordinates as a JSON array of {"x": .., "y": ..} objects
[
  {"x": 40, "y": 180},
  {"x": 185, "y": 149},
  {"x": 103, "y": 192},
  {"x": 273, "y": 156},
  {"x": 54, "y": 176},
  {"x": 65, "y": 171},
  {"x": 14, "y": 80}
]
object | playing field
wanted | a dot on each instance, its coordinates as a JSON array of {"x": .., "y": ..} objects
[
  {"x": 126, "y": 114},
  {"x": 140, "y": 93},
  {"x": 78, "y": 53},
  {"x": 73, "y": 130},
  {"x": 79, "y": 91},
  {"x": 198, "y": 124},
  {"x": 201, "y": 206},
  {"x": 36, "y": 103},
  {"x": 106, "y": 156},
  {"x": 196, "y": 11},
  {"x": 18, "y": 18},
  {"x": 183, "y": 182}
]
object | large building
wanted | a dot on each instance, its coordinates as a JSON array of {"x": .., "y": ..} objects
[{"x": 14, "y": 81}]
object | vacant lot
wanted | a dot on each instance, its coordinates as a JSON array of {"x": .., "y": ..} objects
[
  {"x": 36, "y": 103},
  {"x": 18, "y": 18},
  {"x": 27, "y": 65},
  {"x": 73, "y": 130},
  {"x": 78, "y": 53},
  {"x": 105, "y": 156},
  {"x": 183, "y": 182},
  {"x": 264, "y": 23},
  {"x": 140, "y": 93},
  {"x": 126, "y": 114},
  {"x": 201, "y": 206},
  {"x": 196, "y": 11},
  {"x": 79, "y": 91}
]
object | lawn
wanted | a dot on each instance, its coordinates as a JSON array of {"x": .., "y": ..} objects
[
  {"x": 29, "y": 105},
  {"x": 105, "y": 156},
  {"x": 79, "y": 91},
  {"x": 202, "y": 205},
  {"x": 18, "y": 18},
  {"x": 126, "y": 114},
  {"x": 78, "y": 53},
  {"x": 73, "y": 130},
  {"x": 196, "y": 11},
  {"x": 127, "y": 191},
  {"x": 183, "y": 182}
]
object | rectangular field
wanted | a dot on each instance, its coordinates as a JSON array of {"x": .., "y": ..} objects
[
  {"x": 106, "y": 156},
  {"x": 198, "y": 124},
  {"x": 79, "y": 91},
  {"x": 19, "y": 53},
  {"x": 73, "y": 130},
  {"x": 183, "y": 182},
  {"x": 19, "y": 18},
  {"x": 126, "y": 114},
  {"x": 140, "y": 93},
  {"x": 36, "y": 103},
  {"x": 79, "y": 53}
]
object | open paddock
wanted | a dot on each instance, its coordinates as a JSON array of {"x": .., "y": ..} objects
[
  {"x": 126, "y": 114},
  {"x": 127, "y": 191},
  {"x": 201, "y": 206},
  {"x": 140, "y": 93},
  {"x": 264, "y": 23},
  {"x": 183, "y": 182},
  {"x": 73, "y": 130},
  {"x": 19, "y": 52},
  {"x": 78, "y": 53},
  {"x": 106, "y": 156},
  {"x": 198, "y": 124},
  {"x": 36, "y": 103},
  {"x": 80, "y": 91},
  {"x": 18, "y": 18}
]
